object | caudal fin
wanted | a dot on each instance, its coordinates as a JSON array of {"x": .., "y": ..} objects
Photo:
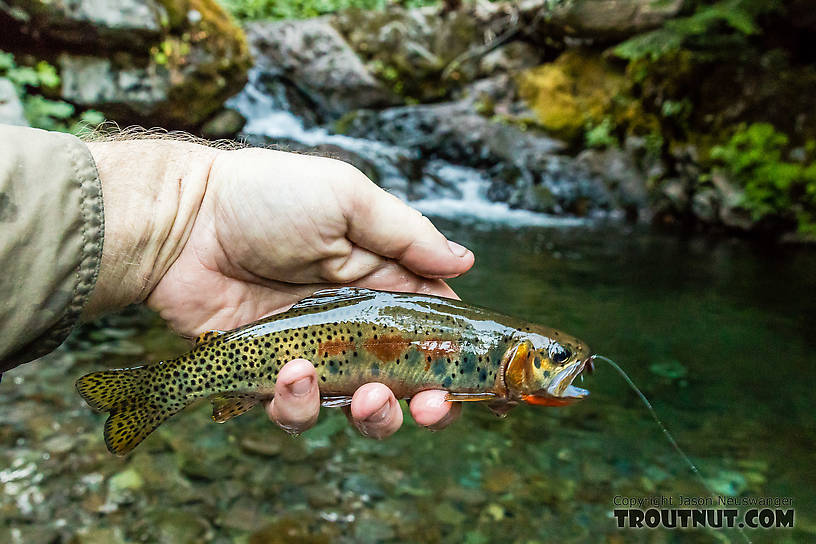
[{"x": 134, "y": 403}]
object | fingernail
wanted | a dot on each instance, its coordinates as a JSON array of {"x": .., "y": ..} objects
[
  {"x": 457, "y": 249},
  {"x": 380, "y": 415},
  {"x": 300, "y": 387}
]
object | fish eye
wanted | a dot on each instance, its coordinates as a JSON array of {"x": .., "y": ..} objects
[{"x": 559, "y": 354}]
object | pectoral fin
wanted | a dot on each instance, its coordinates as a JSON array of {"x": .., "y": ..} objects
[
  {"x": 228, "y": 405},
  {"x": 469, "y": 397}
]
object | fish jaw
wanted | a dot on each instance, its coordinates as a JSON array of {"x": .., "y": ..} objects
[{"x": 561, "y": 391}]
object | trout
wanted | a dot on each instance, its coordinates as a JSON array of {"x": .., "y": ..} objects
[{"x": 353, "y": 336}]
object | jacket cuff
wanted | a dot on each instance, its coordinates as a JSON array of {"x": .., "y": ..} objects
[{"x": 52, "y": 216}]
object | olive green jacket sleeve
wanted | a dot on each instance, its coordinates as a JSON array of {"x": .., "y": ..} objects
[{"x": 51, "y": 234}]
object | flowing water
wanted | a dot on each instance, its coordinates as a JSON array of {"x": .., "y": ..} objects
[{"x": 718, "y": 333}]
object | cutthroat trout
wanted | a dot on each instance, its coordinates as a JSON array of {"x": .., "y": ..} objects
[{"x": 408, "y": 342}]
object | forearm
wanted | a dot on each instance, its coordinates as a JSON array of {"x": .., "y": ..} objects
[
  {"x": 51, "y": 235},
  {"x": 152, "y": 190}
]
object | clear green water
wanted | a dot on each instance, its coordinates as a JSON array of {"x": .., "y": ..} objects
[{"x": 718, "y": 334}]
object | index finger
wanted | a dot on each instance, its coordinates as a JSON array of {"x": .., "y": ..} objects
[{"x": 382, "y": 223}]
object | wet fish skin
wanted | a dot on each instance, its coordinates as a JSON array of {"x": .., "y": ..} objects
[{"x": 408, "y": 342}]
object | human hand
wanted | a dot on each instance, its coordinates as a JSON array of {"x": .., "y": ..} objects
[
  {"x": 373, "y": 410},
  {"x": 215, "y": 239}
]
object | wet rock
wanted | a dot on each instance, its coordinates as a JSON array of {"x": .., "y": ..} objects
[
  {"x": 500, "y": 479},
  {"x": 364, "y": 486},
  {"x": 288, "y": 531},
  {"x": 673, "y": 197},
  {"x": 731, "y": 199},
  {"x": 509, "y": 58},
  {"x": 704, "y": 205},
  {"x": 11, "y": 109},
  {"x": 596, "y": 20},
  {"x": 312, "y": 57},
  {"x": 465, "y": 495},
  {"x": 447, "y": 513},
  {"x": 126, "y": 24},
  {"x": 23, "y": 534},
  {"x": 321, "y": 495},
  {"x": 244, "y": 515},
  {"x": 571, "y": 93},
  {"x": 111, "y": 535},
  {"x": 223, "y": 125},
  {"x": 164, "y": 63},
  {"x": 122, "y": 486},
  {"x": 524, "y": 164},
  {"x": 372, "y": 531},
  {"x": 622, "y": 175},
  {"x": 174, "y": 526},
  {"x": 412, "y": 50}
]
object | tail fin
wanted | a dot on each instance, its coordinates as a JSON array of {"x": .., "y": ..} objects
[{"x": 135, "y": 405}]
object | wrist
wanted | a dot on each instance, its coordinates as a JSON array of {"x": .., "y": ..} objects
[{"x": 152, "y": 192}]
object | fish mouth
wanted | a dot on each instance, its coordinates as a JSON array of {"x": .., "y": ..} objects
[{"x": 561, "y": 386}]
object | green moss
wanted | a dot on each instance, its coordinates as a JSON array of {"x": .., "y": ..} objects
[
  {"x": 701, "y": 30},
  {"x": 214, "y": 37},
  {"x": 577, "y": 90},
  {"x": 774, "y": 185}
]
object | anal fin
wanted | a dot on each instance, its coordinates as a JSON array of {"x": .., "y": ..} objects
[
  {"x": 469, "y": 397},
  {"x": 228, "y": 405}
]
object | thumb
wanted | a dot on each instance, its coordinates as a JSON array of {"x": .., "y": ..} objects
[{"x": 384, "y": 224}]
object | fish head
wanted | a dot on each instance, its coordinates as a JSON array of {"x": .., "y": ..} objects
[{"x": 541, "y": 366}]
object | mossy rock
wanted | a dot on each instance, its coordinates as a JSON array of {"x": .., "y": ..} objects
[{"x": 575, "y": 91}]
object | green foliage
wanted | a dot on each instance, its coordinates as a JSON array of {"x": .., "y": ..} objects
[
  {"x": 755, "y": 157},
  {"x": 40, "y": 111},
  {"x": 601, "y": 135},
  {"x": 699, "y": 30},
  {"x": 251, "y": 10}
]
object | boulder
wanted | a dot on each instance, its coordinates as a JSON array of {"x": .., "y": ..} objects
[
  {"x": 313, "y": 57},
  {"x": 622, "y": 176},
  {"x": 416, "y": 52},
  {"x": 171, "y": 63},
  {"x": 127, "y": 24},
  {"x": 525, "y": 166},
  {"x": 731, "y": 199},
  {"x": 225, "y": 124},
  {"x": 11, "y": 109},
  {"x": 596, "y": 20},
  {"x": 572, "y": 93}
]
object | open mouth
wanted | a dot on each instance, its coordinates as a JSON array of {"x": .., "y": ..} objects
[
  {"x": 562, "y": 387},
  {"x": 561, "y": 391}
]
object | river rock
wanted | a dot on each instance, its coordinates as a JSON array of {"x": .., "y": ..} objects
[
  {"x": 417, "y": 52},
  {"x": 622, "y": 175},
  {"x": 11, "y": 109},
  {"x": 129, "y": 24},
  {"x": 572, "y": 93},
  {"x": 596, "y": 20},
  {"x": 525, "y": 165},
  {"x": 732, "y": 210},
  {"x": 224, "y": 124},
  {"x": 171, "y": 63},
  {"x": 312, "y": 57}
]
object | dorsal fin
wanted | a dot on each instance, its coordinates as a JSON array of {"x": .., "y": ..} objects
[
  {"x": 228, "y": 405},
  {"x": 329, "y": 296},
  {"x": 205, "y": 337}
]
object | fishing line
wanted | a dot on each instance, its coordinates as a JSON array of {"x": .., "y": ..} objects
[{"x": 665, "y": 431}]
